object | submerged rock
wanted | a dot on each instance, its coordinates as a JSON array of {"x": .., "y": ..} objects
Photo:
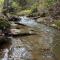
[
  {"x": 40, "y": 20},
  {"x": 15, "y": 31},
  {"x": 22, "y": 32},
  {"x": 54, "y": 25}
]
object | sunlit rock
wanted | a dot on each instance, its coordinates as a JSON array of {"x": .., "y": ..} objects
[
  {"x": 15, "y": 31},
  {"x": 21, "y": 32},
  {"x": 40, "y": 20},
  {"x": 53, "y": 25}
]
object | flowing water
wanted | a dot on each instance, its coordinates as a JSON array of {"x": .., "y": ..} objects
[{"x": 44, "y": 45}]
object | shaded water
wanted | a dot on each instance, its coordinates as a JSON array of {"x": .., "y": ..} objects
[{"x": 42, "y": 46}]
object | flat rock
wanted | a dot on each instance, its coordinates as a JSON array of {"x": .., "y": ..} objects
[
  {"x": 15, "y": 31},
  {"x": 22, "y": 32},
  {"x": 40, "y": 20}
]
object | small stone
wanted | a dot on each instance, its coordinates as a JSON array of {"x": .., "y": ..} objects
[
  {"x": 53, "y": 25},
  {"x": 40, "y": 20},
  {"x": 15, "y": 31}
]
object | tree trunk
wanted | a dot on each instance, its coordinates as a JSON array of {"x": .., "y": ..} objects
[
  {"x": 7, "y": 3},
  {"x": 7, "y": 7}
]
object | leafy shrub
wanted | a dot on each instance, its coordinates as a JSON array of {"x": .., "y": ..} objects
[
  {"x": 25, "y": 12},
  {"x": 50, "y": 2},
  {"x": 34, "y": 7},
  {"x": 4, "y": 24},
  {"x": 54, "y": 10},
  {"x": 57, "y": 23}
]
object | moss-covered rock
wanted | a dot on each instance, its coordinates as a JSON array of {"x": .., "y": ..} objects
[
  {"x": 4, "y": 24},
  {"x": 57, "y": 22},
  {"x": 4, "y": 27}
]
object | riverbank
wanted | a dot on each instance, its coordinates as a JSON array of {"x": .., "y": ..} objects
[
  {"x": 49, "y": 16},
  {"x": 31, "y": 40}
]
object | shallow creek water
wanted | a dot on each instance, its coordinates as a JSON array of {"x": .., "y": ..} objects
[{"x": 44, "y": 45}]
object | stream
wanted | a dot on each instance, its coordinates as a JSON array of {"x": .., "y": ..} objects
[{"x": 44, "y": 45}]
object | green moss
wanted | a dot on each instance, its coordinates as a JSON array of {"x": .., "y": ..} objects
[
  {"x": 49, "y": 2},
  {"x": 25, "y": 12},
  {"x": 4, "y": 24},
  {"x": 57, "y": 23},
  {"x": 57, "y": 51}
]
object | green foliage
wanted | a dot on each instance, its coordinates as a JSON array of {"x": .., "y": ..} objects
[
  {"x": 20, "y": 3},
  {"x": 25, "y": 12},
  {"x": 34, "y": 7},
  {"x": 1, "y": 2},
  {"x": 15, "y": 5},
  {"x": 46, "y": 3},
  {"x": 57, "y": 23},
  {"x": 24, "y": 4},
  {"x": 49, "y": 2},
  {"x": 4, "y": 24}
]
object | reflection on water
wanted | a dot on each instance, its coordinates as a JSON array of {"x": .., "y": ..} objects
[{"x": 43, "y": 46}]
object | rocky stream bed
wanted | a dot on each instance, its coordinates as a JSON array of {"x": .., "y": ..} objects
[{"x": 31, "y": 40}]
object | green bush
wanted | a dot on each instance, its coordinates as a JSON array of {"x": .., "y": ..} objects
[
  {"x": 4, "y": 24},
  {"x": 25, "y": 12},
  {"x": 48, "y": 3},
  {"x": 34, "y": 8},
  {"x": 57, "y": 23}
]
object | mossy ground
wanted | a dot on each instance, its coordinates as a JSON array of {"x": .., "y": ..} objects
[
  {"x": 57, "y": 22},
  {"x": 24, "y": 12}
]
